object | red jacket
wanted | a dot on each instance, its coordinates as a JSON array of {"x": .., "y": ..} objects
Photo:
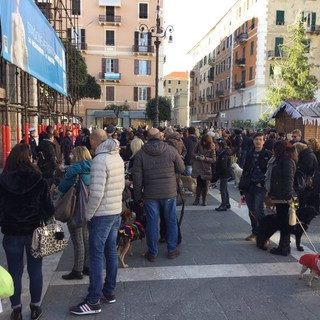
[{"x": 311, "y": 261}]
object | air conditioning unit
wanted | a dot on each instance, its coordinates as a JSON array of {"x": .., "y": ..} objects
[{"x": 222, "y": 115}]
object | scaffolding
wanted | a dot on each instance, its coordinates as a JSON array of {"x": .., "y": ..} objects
[{"x": 26, "y": 101}]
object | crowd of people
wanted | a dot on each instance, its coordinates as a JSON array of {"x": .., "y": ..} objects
[{"x": 150, "y": 162}]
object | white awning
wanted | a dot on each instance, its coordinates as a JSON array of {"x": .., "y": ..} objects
[{"x": 110, "y": 3}]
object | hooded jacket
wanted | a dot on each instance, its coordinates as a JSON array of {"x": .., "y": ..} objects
[
  {"x": 107, "y": 181},
  {"x": 190, "y": 144},
  {"x": 24, "y": 201},
  {"x": 175, "y": 141},
  {"x": 154, "y": 171}
]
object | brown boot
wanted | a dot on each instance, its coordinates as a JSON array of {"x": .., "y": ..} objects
[{"x": 204, "y": 191}]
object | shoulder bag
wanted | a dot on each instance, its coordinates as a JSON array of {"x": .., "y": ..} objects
[
  {"x": 64, "y": 208},
  {"x": 48, "y": 239}
]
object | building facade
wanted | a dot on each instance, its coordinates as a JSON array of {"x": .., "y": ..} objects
[
  {"x": 121, "y": 57},
  {"x": 176, "y": 89},
  {"x": 234, "y": 62}
]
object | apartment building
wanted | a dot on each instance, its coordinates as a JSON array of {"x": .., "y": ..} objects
[
  {"x": 120, "y": 56},
  {"x": 176, "y": 88},
  {"x": 240, "y": 53}
]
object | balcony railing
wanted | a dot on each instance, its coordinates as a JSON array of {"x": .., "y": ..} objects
[
  {"x": 240, "y": 85},
  {"x": 272, "y": 54},
  {"x": 242, "y": 37},
  {"x": 104, "y": 19},
  {"x": 110, "y": 76},
  {"x": 220, "y": 93},
  {"x": 212, "y": 61},
  {"x": 210, "y": 97},
  {"x": 202, "y": 99},
  {"x": 211, "y": 78},
  {"x": 143, "y": 49},
  {"x": 241, "y": 62},
  {"x": 313, "y": 28}
]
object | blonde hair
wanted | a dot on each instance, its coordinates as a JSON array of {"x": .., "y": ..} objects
[
  {"x": 135, "y": 146},
  {"x": 81, "y": 153},
  {"x": 314, "y": 144},
  {"x": 300, "y": 146}
]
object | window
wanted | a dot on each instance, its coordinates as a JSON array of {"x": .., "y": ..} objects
[
  {"x": 252, "y": 23},
  {"x": 110, "y": 65},
  {"x": 251, "y": 73},
  {"x": 141, "y": 94},
  {"x": 243, "y": 52},
  {"x": 109, "y": 93},
  {"x": 251, "y": 48},
  {"x": 280, "y": 18},
  {"x": 142, "y": 67},
  {"x": 143, "y": 11},
  {"x": 179, "y": 82},
  {"x": 169, "y": 90},
  {"x": 271, "y": 71},
  {"x": 76, "y": 7},
  {"x": 278, "y": 46},
  {"x": 110, "y": 38},
  {"x": 310, "y": 19},
  {"x": 169, "y": 81},
  {"x": 77, "y": 37}
]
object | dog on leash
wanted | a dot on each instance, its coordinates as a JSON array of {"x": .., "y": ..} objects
[
  {"x": 270, "y": 224},
  {"x": 189, "y": 183},
  {"x": 130, "y": 230},
  {"x": 311, "y": 262},
  {"x": 237, "y": 173}
]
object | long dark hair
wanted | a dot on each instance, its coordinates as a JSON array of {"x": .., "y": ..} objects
[
  {"x": 208, "y": 140},
  {"x": 19, "y": 159},
  {"x": 284, "y": 148}
]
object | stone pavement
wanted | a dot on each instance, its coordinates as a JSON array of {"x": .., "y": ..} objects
[{"x": 218, "y": 275}]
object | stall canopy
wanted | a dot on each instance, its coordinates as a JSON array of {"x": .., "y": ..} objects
[{"x": 30, "y": 43}]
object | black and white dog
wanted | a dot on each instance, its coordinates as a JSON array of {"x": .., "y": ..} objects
[{"x": 270, "y": 224}]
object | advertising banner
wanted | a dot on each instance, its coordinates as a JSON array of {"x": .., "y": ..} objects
[{"x": 30, "y": 43}]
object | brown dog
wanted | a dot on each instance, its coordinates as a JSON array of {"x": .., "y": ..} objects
[
  {"x": 129, "y": 231},
  {"x": 189, "y": 183}
]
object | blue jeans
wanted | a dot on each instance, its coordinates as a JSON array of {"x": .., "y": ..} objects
[
  {"x": 14, "y": 247},
  {"x": 224, "y": 192},
  {"x": 168, "y": 207},
  {"x": 255, "y": 202},
  {"x": 103, "y": 232}
]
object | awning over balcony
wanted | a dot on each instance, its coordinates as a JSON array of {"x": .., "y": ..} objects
[{"x": 111, "y": 3}]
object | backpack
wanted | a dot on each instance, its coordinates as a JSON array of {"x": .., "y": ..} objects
[{"x": 41, "y": 160}]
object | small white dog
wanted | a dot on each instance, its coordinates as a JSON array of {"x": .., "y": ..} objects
[
  {"x": 311, "y": 262},
  {"x": 237, "y": 173}
]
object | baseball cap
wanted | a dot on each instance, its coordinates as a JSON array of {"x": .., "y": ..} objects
[{"x": 110, "y": 128}]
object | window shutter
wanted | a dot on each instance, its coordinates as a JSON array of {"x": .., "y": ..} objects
[
  {"x": 148, "y": 93},
  {"x": 116, "y": 65},
  {"x": 69, "y": 34},
  {"x": 135, "y": 93},
  {"x": 136, "y": 66},
  {"x": 136, "y": 38},
  {"x": 148, "y": 67},
  {"x": 278, "y": 46},
  {"x": 313, "y": 20},
  {"x": 83, "y": 36},
  {"x": 103, "y": 65},
  {"x": 149, "y": 39}
]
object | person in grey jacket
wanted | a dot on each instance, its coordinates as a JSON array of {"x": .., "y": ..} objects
[{"x": 154, "y": 185}]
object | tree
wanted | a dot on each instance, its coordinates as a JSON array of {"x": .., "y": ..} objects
[
  {"x": 117, "y": 109},
  {"x": 292, "y": 72},
  {"x": 164, "y": 109},
  {"x": 80, "y": 83}
]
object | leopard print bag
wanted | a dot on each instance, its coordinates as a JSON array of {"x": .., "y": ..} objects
[{"x": 48, "y": 239}]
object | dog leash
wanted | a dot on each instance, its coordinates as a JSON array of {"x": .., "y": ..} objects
[{"x": 304, "y": 231}]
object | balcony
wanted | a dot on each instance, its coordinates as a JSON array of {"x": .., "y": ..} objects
[
  {"x": 191, "y": 89},
  {"x": 110, "y": 76},
  {"x": 220, "y": 93},
  {"x": 242, "y": 37},
  {"x": 212, "y": 61},
  {"x": 109, "y": 20},
  {"x": 240, "y": 86},
  {"x": 313, "y": 29},
  {"x": 241, "y": 62},
  {"x": 272, "y": 54},
  {"x": 143, "y": 50},
  {"x": 192, "y": 74},
  {"x": 210, "y": 97},
  {"x": 202, "y": 99},
  {"x": 211, "y": 78}
]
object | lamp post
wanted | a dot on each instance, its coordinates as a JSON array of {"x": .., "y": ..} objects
[{"x": 157, "y": 32}]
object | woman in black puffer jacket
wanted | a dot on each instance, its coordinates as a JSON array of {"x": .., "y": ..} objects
[
  {"x": 282, "y": 192},
  {"x": 24, "y": 201}
]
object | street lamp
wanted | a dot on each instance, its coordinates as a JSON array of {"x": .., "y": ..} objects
[{"x": 158, "y": 32}]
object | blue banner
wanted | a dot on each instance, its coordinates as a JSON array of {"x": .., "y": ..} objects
[{"x": 30, "y": 43}]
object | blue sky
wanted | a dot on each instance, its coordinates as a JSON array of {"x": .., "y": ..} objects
[{"x": 191, "y": 20}]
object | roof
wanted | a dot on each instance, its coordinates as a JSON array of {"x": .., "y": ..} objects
[
  {"x": 309, "y": 111},
  {"x": 177, "y": 75}
]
